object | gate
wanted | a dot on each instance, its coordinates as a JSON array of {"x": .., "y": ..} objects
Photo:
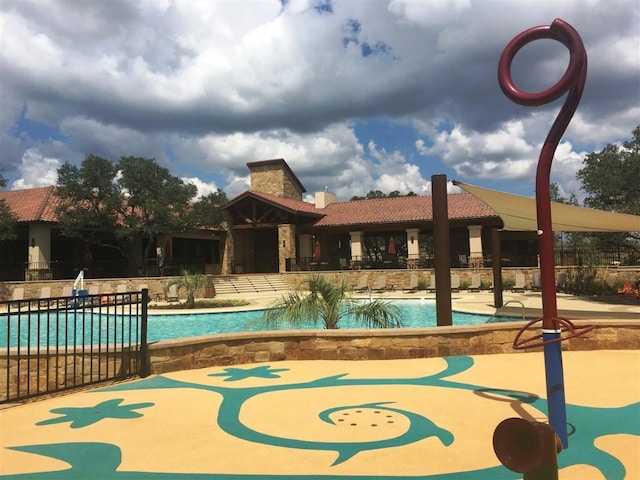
[{"x": 48, "y": 345}]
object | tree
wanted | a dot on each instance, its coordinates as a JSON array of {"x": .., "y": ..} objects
[
  {"x": 379, "y": 194},
  {"x": 611, "y": 179},
  {"x": 190, "y": 282},
  {"x": 327, "y": 304},
  {"x": 7, "y": 217},
  {"x": 115, "y": 204},
  {"x": 209, "y": 211}
]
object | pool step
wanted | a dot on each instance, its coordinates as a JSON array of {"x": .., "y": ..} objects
[{"x": 250, "y": 284}]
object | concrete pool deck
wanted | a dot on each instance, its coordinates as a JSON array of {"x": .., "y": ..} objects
[{"x": 427, "y": 418}]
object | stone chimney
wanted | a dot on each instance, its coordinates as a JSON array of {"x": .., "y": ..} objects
[{"x": 324, "y": 198}]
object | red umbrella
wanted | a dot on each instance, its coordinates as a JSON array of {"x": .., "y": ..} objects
[
  {"x": 87, "y": 256},
  {"x": 391, "y": 249},
  {"x": 316, "y": 250}
]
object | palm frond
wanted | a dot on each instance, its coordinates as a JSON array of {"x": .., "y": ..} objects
[
  {"x": 327, "y": 304},
  {"x": 377, "y": 314}
]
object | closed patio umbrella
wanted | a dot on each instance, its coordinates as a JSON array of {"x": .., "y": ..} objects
[
  {"x": 316, "y": 251},
  {"x": 391, "y": 249}
]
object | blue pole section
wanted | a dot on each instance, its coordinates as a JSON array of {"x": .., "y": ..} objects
[{"x": 556, "y": 402}]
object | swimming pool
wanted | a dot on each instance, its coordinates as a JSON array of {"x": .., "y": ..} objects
[{"x": 415, "y": 314}]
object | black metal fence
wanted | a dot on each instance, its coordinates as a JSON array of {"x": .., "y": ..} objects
[{"x": 54, "y": 344}]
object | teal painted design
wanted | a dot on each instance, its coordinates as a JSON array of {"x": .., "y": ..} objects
[
  {"x": 236, "y": 374},
  {"x": 84, "y": 416},
  {"x": 420, "y": 428},
  {"x": 101, "y": 461},
  {"x": 586, "y": 425}
]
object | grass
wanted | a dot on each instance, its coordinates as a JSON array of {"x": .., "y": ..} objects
[{"x": 204, "y": 303}]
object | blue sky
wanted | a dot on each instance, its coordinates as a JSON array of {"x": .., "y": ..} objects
[{"x": 354, "y": 95}]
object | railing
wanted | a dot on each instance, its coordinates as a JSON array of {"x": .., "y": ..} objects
[{"x": 54, "y": 344}]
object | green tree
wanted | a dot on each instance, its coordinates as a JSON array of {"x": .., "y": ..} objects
[
  {"x": 611, "y": 177},
  {"x": 209, "y": 211},
  {"x": 190, "y": 282},
  {"x": 611, "y": 180},
  {"x": 7, "y": 217},
  {"x": 327, "y": 304},
  {"x": 115, "y": 204}
]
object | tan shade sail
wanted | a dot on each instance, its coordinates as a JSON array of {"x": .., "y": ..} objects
[{"x": 519, "y": 213}]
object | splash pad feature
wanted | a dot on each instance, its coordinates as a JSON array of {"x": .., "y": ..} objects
[{"x": 572, "y": 83}]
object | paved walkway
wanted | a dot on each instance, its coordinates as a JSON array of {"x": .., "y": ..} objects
[{"x": 419, "y": 419}]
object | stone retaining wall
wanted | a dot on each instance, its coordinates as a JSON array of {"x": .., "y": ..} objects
[
  {"x": 378, "y": 344},
  {"x": 38, "y": 371},
  {"x": 76, "y": 369},
  {"x": 398, "y": 278}
]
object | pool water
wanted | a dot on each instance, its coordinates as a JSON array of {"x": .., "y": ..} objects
[
  {"x": 78, "y": 327},
  {"x": 415, "y": 314}
]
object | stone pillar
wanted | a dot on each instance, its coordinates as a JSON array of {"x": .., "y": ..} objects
[
  {"x": 286, "y": 246},
  {"x": 357, "y": 242},
  {"x": 475, "y": 246}
]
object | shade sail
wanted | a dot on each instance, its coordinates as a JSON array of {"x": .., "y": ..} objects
[{"x": 519, "y": 213}]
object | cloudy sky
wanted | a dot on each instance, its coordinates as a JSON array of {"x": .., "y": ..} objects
[{"x": 355, "y": 95}]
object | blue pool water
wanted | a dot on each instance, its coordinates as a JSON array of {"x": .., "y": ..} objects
[{"x": 78, "y": 328}]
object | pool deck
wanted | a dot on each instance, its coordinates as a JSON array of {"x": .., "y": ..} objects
[{"x": 430, "y": 418}]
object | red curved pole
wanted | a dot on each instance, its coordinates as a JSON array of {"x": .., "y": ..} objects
[{"x": 572, "y": 84}]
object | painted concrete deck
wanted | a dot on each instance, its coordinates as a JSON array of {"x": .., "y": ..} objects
[{"x": 420, "y": 419}]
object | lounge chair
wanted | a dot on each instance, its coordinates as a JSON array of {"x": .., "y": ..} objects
[
  {"x": 363, "y": 284},
  {"x": 172, "y": 294},
  {"x": 45, "y": 297},
  {"x": 18, "y": 295},
  {"x": 381, "y": 284},
  {"x": 476, "y": 284},
  {"x": 561, "y": 282},
  {"x": 432, "y": 284},
  {"x": 455, "y": 283},
  {"x": 520, "y": 285},
  {"x": 66, "y": 291},
  {"x": 536, "y": 284},
  {"x": 413, "y": 284}
]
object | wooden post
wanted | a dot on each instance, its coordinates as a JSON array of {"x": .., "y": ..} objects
[{"x": 442, "y": 262}]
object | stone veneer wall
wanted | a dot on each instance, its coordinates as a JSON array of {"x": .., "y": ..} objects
[
  {"x": 41, "y": 372},
  {"x": 273, "y": 179},
  {"x": 379, "y": 344},
  {"x": 396, "y": 278}
]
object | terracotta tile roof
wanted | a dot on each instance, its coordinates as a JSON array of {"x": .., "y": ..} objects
[
  {"x": 32, "y": 204},
  {"x": 39, "y": 204},
  {"x": 400, "y": 210}
]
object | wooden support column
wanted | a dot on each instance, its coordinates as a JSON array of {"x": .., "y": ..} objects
[
  {"x": 442, "y": 263},
  {"x": 496, "y": 254}
]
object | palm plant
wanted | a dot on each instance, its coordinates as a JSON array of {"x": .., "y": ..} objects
[
  {"x": 327, "y": 304},
  {"x": 190, "y": 282}
]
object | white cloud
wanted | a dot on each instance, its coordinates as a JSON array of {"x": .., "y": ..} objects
[
  {"x": 37, "y": 170},
  {"x": 205, "y": 87},
  {"x": 204, "y": 188}
]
